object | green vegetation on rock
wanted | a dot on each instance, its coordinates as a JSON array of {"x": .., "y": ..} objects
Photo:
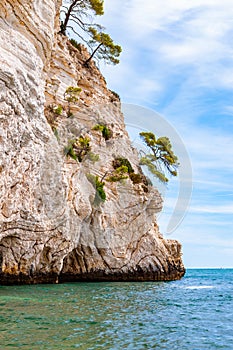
[
  {"x": 75, "y": 44},
  {"x": 58, "y": 110},
  {"x": 79, "y": 148},
  {"x": 106, "y": 132},
  {"x": 119, "y": 161},
  {"x": 100, "y": 195},
  {"x": 71, "y": 95},
  {"x": 120, "y": 173},
  {"x": 161, "y": 159},
  {"x": 93, "y": 157},
  {"x": 81, "y": 13},
  {"x": 69, "y": 149}
]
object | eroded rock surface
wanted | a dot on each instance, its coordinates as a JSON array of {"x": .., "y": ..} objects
[{"x": 50, "y": 230}]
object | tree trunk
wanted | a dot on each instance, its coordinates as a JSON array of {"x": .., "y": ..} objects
[
  {"x": 67, "y": 17},
  {"x": 86, "y": 63}
]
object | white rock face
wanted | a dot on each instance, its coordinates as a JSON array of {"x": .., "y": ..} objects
[{"x": 49, "y": 228}]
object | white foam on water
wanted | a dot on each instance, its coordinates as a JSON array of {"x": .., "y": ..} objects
[{"x": 199, "y": 287}]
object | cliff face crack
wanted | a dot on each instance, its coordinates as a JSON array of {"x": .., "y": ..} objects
[
  {"x": 8, "y": 226},
  {"x": 99, "y": 251},
  {"x": 134, "y": 251},
  {"x": 104, "y": 260}
]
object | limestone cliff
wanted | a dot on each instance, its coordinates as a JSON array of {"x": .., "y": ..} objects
[{"x": 50, "y": 229}]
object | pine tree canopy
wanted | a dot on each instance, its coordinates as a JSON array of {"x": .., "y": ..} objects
[{"x": 161, "y": 159}]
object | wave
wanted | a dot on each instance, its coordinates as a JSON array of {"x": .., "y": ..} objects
[{"x": 199, "y": 287}]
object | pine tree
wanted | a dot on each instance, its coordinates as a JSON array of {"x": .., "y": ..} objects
[
  {"x": 106, "y": 49},
  {"x": 161, "y": 159},
  {"x": 81, "y": 12}
]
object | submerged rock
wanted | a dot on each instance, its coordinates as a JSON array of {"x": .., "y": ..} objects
[{"x": 50, "y": 229}]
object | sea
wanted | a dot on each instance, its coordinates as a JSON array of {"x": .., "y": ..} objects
[{"x": 193, "y": 313}]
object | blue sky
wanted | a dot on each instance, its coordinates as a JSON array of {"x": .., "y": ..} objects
[{"x": 178, "y": 61}]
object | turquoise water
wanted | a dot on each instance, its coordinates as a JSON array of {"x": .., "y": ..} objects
[{"x": 194, "y": 313}]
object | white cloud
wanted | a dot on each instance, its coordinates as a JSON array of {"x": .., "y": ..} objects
[
  {"x": 213, "y": 209},
  {"x": 229, "y": 110},
  {"x": 193, "y": 33},
  {"x": 215, "y": 184}
]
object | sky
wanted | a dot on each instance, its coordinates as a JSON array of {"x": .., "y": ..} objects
[{"x": 177, "y": 64}]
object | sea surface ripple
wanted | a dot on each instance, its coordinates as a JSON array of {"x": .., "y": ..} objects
[{"x": 194, "y": 313}]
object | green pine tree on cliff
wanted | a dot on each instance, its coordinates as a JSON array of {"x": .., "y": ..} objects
[
  {"x": 161, "y": 159},
  {"x": 80, "y": 13}
]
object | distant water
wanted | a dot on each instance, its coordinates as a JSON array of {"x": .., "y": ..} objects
[{"x": 194, "y": 313}]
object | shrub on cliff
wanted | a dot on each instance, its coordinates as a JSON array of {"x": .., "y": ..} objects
[
  {"x": 75, "y": 44},
  {"x": 71, "y": 95},
  {"x": 120, "y": 173},
  {"x": 58, "y": 110},
  {"x": 120, "y": 170},
  {"x": 100, "y": 195},
  {"x": 79, "y": 148},
  {"x": 119, "y": 161},
  {"x": 105, "y": 131}
]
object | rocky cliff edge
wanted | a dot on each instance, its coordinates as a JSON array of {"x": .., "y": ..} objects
[{"x": 50, "y": 229}]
